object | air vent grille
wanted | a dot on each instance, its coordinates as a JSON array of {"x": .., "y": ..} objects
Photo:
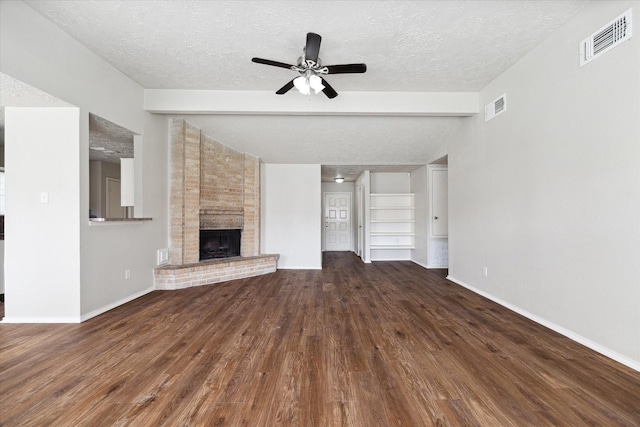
[
  {"x": 608, "y": 37},
  {"x": 495, "y": 108}
]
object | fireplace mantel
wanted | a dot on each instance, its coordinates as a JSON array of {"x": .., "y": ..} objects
[{"x": 209, "y": 210}]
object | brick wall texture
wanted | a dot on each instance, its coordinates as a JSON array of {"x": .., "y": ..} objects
[
  {"x": 176, "y": 194},
  {"x": 212, "y": 187},
  {"x": 185, "y": 192},
  {"x": 221, "y": 175},
  {"x": 250, "y": 245}
]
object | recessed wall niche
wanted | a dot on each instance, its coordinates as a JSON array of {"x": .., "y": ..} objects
[{"x": 110, "y": 146}]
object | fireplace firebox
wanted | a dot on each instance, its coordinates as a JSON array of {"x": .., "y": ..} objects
[{"x": 219, "y": 244}]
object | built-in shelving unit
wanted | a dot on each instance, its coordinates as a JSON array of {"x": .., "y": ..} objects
[{"x": 391, "y": 224}]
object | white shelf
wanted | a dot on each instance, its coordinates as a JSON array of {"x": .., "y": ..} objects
[
  {"x": 392, "y": 221},
  {"x": 392, "y": 208},
  {"x": 391, "y": 194},
  {"x": 381, "y": 221},
  {"x": 373, "y": 247},
  {"x": 392, "y": 233}
]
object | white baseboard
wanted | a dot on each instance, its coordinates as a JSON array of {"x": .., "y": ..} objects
[
  {"x": 41, "y": 320},
  {"x": 390, "y": 259},
  {"x": 115, "y": 304},
  {"x": 429, "y": 266},
  {"x": 299, "y": 268},
  {"x": 420, "y": 264},
  {"x": 559, "y": 329}
]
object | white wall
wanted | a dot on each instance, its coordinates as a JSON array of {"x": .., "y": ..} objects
[
  {"x": 547, "y": 195},
  {"x": 42, "y": 263},
  {"x": 73, "y": 73},
  {"x": 385, "y": 182},
  {"x": 345, "y": 187},
  {"x": 291, "y": 204},
  {"x": 2, "y": 241},
  {"x": 52, "y": 61},
  {"x": 109, "y": 250},
  {"x": 1, "y": 266}
]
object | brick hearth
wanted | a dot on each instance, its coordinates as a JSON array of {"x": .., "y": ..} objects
[{"x": 170, "y": 277}]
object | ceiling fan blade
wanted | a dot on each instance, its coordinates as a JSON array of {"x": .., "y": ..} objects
[
  {"x": 286, "y": 88},
  {"x": 312, "y": 49},
  {"x": 346, "y": 68},
  {"x": 270, "y": 62},
  {"x": 328, "y": 90}
]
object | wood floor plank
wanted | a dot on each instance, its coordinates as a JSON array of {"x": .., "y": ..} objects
[
  {"x": 312, "y": 397},
  {"x": 355, "y": 344}
]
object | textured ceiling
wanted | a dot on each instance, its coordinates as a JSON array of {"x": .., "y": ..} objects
[
  {"x": 108, "y": 142},
  {"x": 401, "y": 144},
  {"x": 408, "y": 46},
  {"x": 103, "y": 134},
  {"x": 14, "y": 93},
  {"x": 350, "y": 173},
  {"x": 347, "y": 140}
]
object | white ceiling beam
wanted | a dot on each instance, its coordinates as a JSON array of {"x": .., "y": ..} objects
[{"x": 176, "y": 101}]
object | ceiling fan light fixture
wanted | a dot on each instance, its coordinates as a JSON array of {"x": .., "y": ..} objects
[
  {"x": 302, "y": 85},
  {"x": 305, "y": 83},
  {"x": 316, "y": 84}
]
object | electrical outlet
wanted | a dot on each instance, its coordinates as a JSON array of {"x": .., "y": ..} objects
[
  {"x": 162, "y": 256},
  {"x": 485, "y": 271},
  {"x": 127, "y": 274}
]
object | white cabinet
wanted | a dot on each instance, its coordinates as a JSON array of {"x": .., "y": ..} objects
[{"x": 391, "y": 224}]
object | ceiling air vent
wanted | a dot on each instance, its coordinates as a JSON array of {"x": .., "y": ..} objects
[
  {"x": 606, "y": 38},
  {"x": 498, "y": 106}
]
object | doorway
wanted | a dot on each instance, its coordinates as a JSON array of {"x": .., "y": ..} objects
[
  {"x": 337, "y": 221},
  {"x": 361, "y": 221},
  {"x": 114, "y": 207}
]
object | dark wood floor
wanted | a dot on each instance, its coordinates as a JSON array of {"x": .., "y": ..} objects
[{"x": 384, "y": 344}]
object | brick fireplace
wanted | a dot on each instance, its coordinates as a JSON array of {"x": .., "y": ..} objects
[{"x": 212, "y": 188}]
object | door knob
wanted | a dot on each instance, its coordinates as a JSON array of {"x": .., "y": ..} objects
[{"x": 435, "y": 217}]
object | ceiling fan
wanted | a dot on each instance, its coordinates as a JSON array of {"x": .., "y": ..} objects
[{"x": 311, "y": 70}]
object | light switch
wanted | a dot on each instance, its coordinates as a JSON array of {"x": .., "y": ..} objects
[{"x": 44, "y": 197}]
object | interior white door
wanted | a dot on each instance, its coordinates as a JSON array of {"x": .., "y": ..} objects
[
  {"x": 361, "y": 221},
  {"x": 440, "y": 203},
  {"x": 114, "y": 209},
  {"x": 337, "y": 217}
]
